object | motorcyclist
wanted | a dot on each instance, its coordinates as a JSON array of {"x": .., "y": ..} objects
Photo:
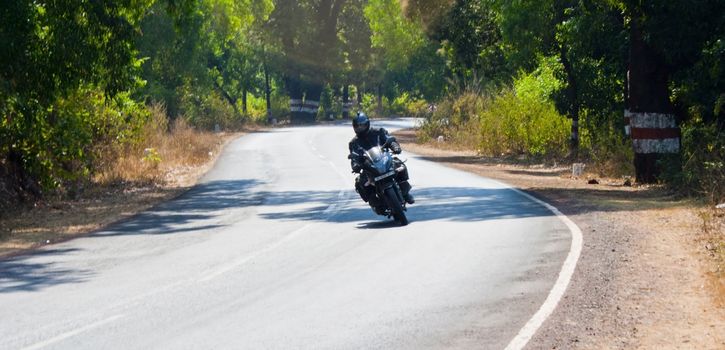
[{"x": 366, "y": 138}]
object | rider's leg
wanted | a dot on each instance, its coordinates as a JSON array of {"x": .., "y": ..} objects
[
  {"x": 402, "y": 178},
  {"x": 376, "y": 204},
  {"x": 360, "y": 188},
  {"x": 405, "y": 188},
  {"x": 367, "y": 193}
]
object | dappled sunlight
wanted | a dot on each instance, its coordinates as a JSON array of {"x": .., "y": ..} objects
[
  {"x": 195, "y": 210},
  {"x": 463, "y": 204},
  {"x": 204, "y": 206}
]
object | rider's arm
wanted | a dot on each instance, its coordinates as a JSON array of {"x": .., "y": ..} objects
[
  {"x": 394, "y": 145},
  {"x": 354, "y": 160}
]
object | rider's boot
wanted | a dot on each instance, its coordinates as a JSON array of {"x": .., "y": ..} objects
[{"x": 405, "y": 188}]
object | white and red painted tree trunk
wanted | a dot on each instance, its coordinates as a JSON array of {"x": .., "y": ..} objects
[{"x": 649, "y": 118}]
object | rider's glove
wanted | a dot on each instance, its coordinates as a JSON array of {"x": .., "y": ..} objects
[
  {"x": 395, "y": 147},
  {"x": 356, "y": 168}
]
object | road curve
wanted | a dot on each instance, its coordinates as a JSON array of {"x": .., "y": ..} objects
[{"x": 273, "y": 249}]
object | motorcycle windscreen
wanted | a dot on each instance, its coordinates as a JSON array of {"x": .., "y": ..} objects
[{"x": 380, "y": 160}]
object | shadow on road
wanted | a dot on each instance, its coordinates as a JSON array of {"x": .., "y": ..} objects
[
  {"x": 194, "y": 210},
  {"x": 202, "y": 207},
  {"x": 463, "y": 204},
  {"x": 199, "y": 208},
  {"x": 20, "y": 274}
]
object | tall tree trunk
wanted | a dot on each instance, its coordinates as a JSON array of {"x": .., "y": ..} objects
[
  {"x": 380, "y": 99},
  {"x": 572, "y": 103},
  {"x": 653, "y": 125},
  {"x": 244, "y": 101},
  {"x": 346, "y": 102},
  {"x": 295, "y": 92},
  {"x": 267, "y": 89},
  {"x": 570, "y": 106}
]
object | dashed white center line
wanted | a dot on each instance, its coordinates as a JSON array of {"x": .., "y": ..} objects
[{"x": 67, "y": 335}]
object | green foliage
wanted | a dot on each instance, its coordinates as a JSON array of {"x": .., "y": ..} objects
[
  {"x": 402, "y": 105},
  {"x": 701, "y": 88},
  {"x": 209, "y": 110},
  {"x": 517, "y": 120},
  {"x": 423, "y": 76},
  {"x": 542, "y": 83},
  {"x": 75, "y": 74},
  {"x": 326, "y": 100},
  {"x": 603, "y": 144},
  {"x": 370, "y": 106},
  {"x": 526, "y": 119},
  {"x": 63, "y": 70},
  {"x": 72, "y": 139},
  {"x": 220, "y": 41},
  {"x": 403, "y": 60},
  {"x": 471, "y": 38},
  {"x": 703, "y": 162},
  {"x": 393, "y": 34}
]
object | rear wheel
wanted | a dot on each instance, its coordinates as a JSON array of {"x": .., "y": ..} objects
[{"x": 395, "y": 206}]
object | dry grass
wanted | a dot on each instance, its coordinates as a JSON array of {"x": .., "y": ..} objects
[
  {"x": 713, "y": 228},
  {"x": 165, "y": 155}
]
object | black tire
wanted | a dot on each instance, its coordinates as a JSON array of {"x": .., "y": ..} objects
[{"x": 396, "y": 207}]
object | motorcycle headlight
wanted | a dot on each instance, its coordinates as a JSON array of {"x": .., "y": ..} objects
[{"x": 388, "y": 162}]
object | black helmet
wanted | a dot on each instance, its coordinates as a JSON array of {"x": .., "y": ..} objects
[{"x": 361, "y": 123}]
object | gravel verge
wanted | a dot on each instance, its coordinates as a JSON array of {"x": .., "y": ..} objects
[{"x": 644, "y": 278}]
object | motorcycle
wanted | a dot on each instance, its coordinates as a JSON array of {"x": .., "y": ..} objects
[{"x": 379, "y": 168}]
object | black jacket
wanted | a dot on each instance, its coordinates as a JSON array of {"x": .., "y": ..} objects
[{"x": 374, "y": 137}]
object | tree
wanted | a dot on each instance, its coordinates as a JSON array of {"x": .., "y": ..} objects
[
  {"x": 403, "y": 59},
  {"x": 52, "y": 50},
  {"x": 357, "y": 51},
  {"x": 471, "y": 36},
  {"x": 588, "y": 40},
  {"x": 311, "y": 52},
  {"x": 660, "y": 49},
  {"x": 234, "y": 57},
  {"x": 221, "y": 43}
]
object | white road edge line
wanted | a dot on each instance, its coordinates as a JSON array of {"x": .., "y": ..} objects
[
  {"x": 562, "y": 282},
  {"x": 72, "y": 333}
]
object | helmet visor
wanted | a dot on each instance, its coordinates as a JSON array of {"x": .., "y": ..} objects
[{"x": 361, "y": 128}]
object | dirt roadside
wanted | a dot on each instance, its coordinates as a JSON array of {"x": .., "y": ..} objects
[
  {"x": 644, "y": 279},
  {"x": 56, "y": 220}
]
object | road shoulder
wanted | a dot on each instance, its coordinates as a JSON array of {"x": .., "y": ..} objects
[{"x": 643, "y": 279}]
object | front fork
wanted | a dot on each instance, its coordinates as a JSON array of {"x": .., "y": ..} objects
[{"x": 381, "y": 187}]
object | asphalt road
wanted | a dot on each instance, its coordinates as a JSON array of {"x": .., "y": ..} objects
[{"x": 274, "y": 249}]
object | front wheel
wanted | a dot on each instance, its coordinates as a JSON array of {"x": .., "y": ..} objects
[{"x": 395, "y": 206}]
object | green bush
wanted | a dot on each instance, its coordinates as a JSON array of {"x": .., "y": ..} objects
[
  {"x": 404, "y": 105},
  {"x": 517, "y": 120},
  {"x": 207, "y": 111},
  {"x": 702, "y": 170},
  {"x": 369, "y": 105},
  {"x": 519, "y": 124},
  {"x": 602, "y": 142},
  {"x": 63, "y": 145}
]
